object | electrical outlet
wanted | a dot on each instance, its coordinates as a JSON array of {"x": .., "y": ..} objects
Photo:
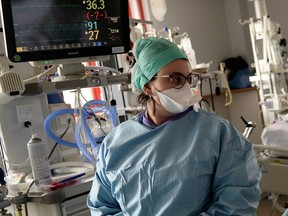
[{"x": 24, "y": 112}]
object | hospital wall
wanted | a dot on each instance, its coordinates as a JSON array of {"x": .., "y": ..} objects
[
  {"x": 214, "y": 28},
  {"x": 205, "y": 22}
]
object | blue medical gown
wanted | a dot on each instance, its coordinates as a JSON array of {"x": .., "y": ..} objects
[{"x": 196, "y": 165}]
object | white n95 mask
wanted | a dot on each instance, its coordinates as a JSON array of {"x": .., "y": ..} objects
[{"x": 178, "y": 100}]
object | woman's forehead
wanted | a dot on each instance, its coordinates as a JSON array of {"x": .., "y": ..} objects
[{"x": 180, "y": 66}]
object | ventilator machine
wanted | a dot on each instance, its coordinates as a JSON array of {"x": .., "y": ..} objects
[{"x": 51, "y": 55}]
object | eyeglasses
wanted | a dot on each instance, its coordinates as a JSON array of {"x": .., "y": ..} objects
[{"x": 178, "y": 80}]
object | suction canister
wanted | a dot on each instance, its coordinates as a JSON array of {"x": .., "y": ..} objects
[{"x": 39, "y": 161}]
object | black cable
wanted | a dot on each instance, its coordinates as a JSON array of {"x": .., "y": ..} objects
[
  {"x": 201, "y": 85},
  {"x": 211, "y": 93},
  {"x": 205, "y": 101},
  {"x": 55, "y": 145},
  {"x": 96, "y": 118}
]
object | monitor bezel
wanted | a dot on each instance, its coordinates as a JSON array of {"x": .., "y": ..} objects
[{"x": 13, "y": 55}]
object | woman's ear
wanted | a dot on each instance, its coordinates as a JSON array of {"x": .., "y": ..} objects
[{"x": 147, "y": 89}]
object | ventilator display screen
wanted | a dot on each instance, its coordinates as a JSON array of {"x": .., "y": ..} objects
[{"x": 54, "y": 29}]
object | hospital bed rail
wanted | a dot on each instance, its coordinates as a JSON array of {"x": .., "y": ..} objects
[
  {"x": 274, "y": 180},
  {"x": 274, "y": 169}
]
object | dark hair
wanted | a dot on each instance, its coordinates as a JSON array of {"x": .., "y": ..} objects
[
  {"x": 235, "y": 64},
  {"x": 142, "y": 98}
]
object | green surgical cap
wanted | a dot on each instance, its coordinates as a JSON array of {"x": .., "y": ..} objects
[{"x": 151, "y": 55}]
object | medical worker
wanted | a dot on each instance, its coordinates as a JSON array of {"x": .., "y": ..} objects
[{"x": 173, "y": 159}]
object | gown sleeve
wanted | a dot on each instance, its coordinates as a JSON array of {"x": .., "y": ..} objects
[
  {"x": 235, "y": 189},
  {"x": 100, "y": 200}
]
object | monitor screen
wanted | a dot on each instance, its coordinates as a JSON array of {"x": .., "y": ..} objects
[{"x": 41, "y": 30}]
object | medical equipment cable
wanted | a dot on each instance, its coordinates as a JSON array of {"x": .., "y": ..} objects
[
  {"x": 204, "y": 100},
  {"x": 96, "y": 118},
  {"x": 211, "y": 93},
  {"x": 52, "y": 116},
  {"x": 41, "y": 74},
  {"x": 56, "y": 143},
  {"x": 203, "y": 106}
]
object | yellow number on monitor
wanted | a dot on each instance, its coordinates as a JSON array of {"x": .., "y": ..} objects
[
  {"x": 93, "y": 35},
  {"x": 101, "y": 4},
  {"x": 93, "y": 5}
]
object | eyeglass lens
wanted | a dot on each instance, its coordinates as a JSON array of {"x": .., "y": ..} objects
[{"x": 178, "y": 80}]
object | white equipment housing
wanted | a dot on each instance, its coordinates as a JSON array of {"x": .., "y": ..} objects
[
  {"x": 270, "y": 64},
  {"x": 11, "y": 86}
]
